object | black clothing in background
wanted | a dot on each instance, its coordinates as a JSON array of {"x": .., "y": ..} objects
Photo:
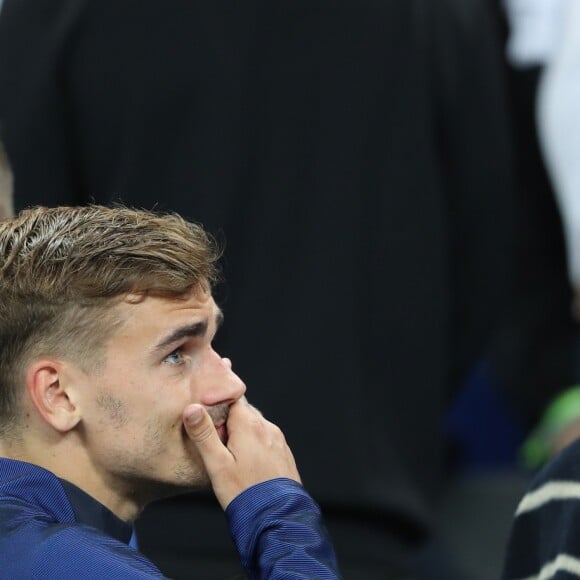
[{"x": 357, "y": 159}]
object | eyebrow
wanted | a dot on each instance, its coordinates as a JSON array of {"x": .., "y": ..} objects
[{"x": 195, "y": 330}]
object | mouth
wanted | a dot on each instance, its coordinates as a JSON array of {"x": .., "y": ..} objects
[
  {"x": 219, "y": 415},
  {"x": 222, "y": 432}
]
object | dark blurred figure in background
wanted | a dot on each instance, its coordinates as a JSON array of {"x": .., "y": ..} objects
[
  {"x": 542, "y": 49},
  {"x": 6, "y": 185},
  {"x": 559, "y": 126},
  {"x": 358, "y": 158},
  {"x": 546, "y": 530}
]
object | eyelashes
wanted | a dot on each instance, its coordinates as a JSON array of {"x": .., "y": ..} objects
[{"x": 175, "y": 358}]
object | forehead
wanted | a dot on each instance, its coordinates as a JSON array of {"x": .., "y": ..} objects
[{"x": 146, "y": 319}]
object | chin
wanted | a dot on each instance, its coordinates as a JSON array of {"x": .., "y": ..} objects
[
  {"x": 182, "y": 480},
  {"x": 191, "y": 484}
]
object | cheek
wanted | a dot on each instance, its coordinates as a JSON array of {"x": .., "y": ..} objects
[
  {"x": 163, "y": 422},
  {"x": 154, "y": 436},
  {"x": 114, "y": 412},
  {"x": 179, "y": 392}
]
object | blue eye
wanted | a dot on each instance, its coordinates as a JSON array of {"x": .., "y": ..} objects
[{"x": 175, "y": 358}]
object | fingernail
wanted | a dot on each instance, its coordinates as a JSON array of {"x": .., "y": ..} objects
[{"x": 194, "y": 416}]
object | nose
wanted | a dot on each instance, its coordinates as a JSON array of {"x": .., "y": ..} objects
[{"x": 222, "y": 384}]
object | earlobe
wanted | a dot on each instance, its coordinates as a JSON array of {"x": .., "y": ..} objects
[{"x": 52, "y": 394}]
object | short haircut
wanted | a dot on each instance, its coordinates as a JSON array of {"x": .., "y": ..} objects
[{"x": 63, "y": 269}]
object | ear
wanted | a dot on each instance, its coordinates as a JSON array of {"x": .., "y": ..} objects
[{"x": 52, "y": 393}]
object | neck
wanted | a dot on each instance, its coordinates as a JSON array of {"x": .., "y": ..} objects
[{"x": 70, "y": 463}]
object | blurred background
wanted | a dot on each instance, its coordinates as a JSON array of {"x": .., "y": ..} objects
[{"x": 394, "y": 184}]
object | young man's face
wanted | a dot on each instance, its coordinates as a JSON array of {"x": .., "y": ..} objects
[{"x": 160, "y": 360}]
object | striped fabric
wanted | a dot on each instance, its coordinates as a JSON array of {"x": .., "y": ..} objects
[
  {"x": 276, "y": 525},
  {"x": 545, "y": 538}
]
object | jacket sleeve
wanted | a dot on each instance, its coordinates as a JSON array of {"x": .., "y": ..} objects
[{"x": 278, "y": 531}]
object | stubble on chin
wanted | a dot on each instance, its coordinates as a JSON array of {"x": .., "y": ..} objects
[
  {"x": 191, "y": 476},
  {"x": 188, "y": 473}
]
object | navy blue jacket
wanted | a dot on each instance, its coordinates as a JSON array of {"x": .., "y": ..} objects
[{"x": 276, "y": 527}]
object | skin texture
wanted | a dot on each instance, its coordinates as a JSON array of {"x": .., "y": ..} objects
[
  {"x": 236, "y": 467},
  {"x": 120, "y": 432},
  {"x": 133, "y": 407}
]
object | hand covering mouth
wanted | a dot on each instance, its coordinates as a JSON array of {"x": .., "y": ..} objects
[{"x": 219, "y": 414}]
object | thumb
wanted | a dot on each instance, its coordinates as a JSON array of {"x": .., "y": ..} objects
[{"x": 202, "y": 432}]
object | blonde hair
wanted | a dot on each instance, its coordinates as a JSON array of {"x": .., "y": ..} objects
[{"x": 63, "y": 269}]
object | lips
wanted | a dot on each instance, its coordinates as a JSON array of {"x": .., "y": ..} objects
[
  {"x": 222, "y": 432},
  {"x": 219, "y": 415}
]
